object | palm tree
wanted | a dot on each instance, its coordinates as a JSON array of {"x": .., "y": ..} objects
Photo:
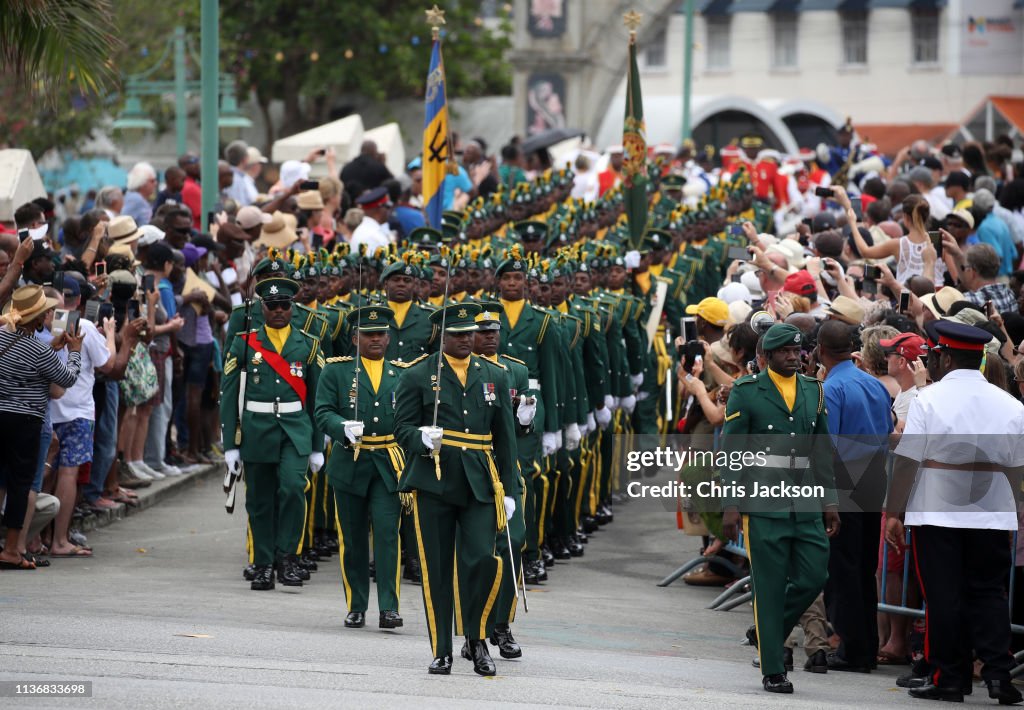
[{"x": 51, "y": 46}]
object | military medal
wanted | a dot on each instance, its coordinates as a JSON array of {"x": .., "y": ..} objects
[
  {"x": 489, "y": 395},
  {"x": 296, "y": 369}
]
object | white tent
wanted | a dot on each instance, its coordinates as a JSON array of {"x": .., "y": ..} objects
[
  {"x": 19, "y": 182},
  {"x": 345, "y": 135},
  {"x": 389, "y": 142}
]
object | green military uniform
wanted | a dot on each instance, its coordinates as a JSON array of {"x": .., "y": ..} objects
[
  {"x": 276, "y": 427},
  {"x": 364, "y": 475},
  {"x": 415, "y": 335},
  {"x": 458, "y": 493},
  {"x": 785, "y": 538}
]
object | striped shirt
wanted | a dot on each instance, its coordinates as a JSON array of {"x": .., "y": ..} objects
[{"x": 26, "y": 370}]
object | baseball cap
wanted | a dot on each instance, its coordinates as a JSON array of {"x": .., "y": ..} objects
[
  {"x": 823, "y": 221},
  {"x": 908, "y": 345},
  {"x": 714, "y": 310},
  {"x": 293, "y": 171},
  {"x": 193, "y": 253},
  {"x": 255, "y": 156},
  {"x": 963, "y": 215},
  {"x": 249, "y": 216},
  {"x": 801, "y": 283},
  {"x": 150, "y": 235}
]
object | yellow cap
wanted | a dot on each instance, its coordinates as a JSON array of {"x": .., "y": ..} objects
[{"x": 714, "y": 310}]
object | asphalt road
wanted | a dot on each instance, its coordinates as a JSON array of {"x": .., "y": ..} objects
[{"x": 161, "y": 618}]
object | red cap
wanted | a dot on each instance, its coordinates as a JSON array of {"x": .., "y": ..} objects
[
  {"x": 909, "y": 345},
  {"x": 801, "y": 283}
]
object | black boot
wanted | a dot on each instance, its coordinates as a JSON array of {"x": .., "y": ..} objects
[
  {"x": 1004, "y": 691},
  {"x": 263, "y": 578},
  {"x": 542, "y": 571},
  {"x": 507, "y": 646},
  {"x": 249, "y": 573},
  {"x": 286, "y": 571},
  {"x": 559, "y": 549},
  {"x": 817, "y": 663},
  {"x": 307, "y": 562},
  {"x": 581, "y": 536},
  {"x": 355, "y": 620},
  {"x": 547, "y": 556},
  {"x": 442, "y": 665},
  {"x": 477, "y": 651},
  {"x": 530, "y": 573},
  {"x": 589, "y": 524},
  {"x": 390, "y": 619},
  {"x": 412, "y": 571},
  {"x": 777, "y": 683},
  {"x": 937, "y": 692},
  {"x": 575, "y": 545}
]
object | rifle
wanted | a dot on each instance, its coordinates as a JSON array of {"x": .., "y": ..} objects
[{"x": 230, "y": 477}]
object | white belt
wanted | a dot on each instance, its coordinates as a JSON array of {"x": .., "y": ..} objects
[
  {"x": 273, "y": 407},
  {"x": 535, "y": 385},
  {"x": 775, "y": 461}
]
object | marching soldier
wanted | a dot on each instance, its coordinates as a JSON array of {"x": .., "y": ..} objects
[
  {"x": 781, "y": 414},
  {"x": 365, "y": 464},
  {"x": 273, "y": 430},
  {"x": 455, "y": 424},
  {"x": 412, "y": 333}
]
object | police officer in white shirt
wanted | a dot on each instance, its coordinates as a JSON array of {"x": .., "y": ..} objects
[
  {"x": 959, "y": 462},
  {"x": 373, "y": 231}
]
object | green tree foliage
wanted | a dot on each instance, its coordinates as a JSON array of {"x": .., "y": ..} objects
[{"x": 316, "y": 54}]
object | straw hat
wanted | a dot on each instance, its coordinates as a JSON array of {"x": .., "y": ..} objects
[
  {"x": 27, "y": 303},
  {"x": 123, "y": 230},
  {"x": 276, "y": 233}
]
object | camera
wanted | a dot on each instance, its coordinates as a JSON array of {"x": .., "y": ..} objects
[
  {"x": 824, "y": 192},
  {"x": 872, "y": 273},
  {"x": 738, "y": 254},
  {"x": 310, "y": 185}
]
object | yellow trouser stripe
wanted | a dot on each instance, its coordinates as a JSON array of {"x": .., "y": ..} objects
[
  {"x": 458, "y": 600},
  {"x": 425, "y": 577},
  {"x": 308, "y": 515},
  {"x": 746, "y": 545},
  {"x": 341, "y": 560},
  {"x": 491, "y": 597}
]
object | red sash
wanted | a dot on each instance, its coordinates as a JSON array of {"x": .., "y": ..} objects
[{"x": 279, "y": 365}]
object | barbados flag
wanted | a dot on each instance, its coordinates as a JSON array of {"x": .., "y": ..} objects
[{"x": 436, "y": 149}]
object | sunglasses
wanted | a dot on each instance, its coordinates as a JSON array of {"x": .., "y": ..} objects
[{"x": 277, "y": 305}]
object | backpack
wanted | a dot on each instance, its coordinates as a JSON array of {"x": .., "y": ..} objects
[{"x": 140, "y": 382}]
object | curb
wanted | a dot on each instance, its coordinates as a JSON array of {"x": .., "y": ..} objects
[{"x": 148, "y": 497}]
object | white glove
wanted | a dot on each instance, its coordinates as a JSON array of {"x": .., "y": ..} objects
[
  {"x": 572, "y": 437},
  {"x": 431, "y": 437},
  {"x": 641, "y": 396},
  {"x": 548, "y": 443},
  {"x": 591, "y": 423},
  {"x": 316, "y": 461},
  {"x": 353, "y": 430},
  {"x": 510, "y": 507},
  {"x": 629, "y": 404},
  {"x": 609, "y": 403},
  {"x": 823, "y": 153},
  {"x": 558, "y": 439},
  {"x": 526, "y": 411},
  {"x": 636, "y": 380},
  {"x": 632, "y": 259},
  {"x": 233, "y": 460},
  {"x": 603, "y": 417}
]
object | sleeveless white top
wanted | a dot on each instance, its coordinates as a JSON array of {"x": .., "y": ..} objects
[{"x": 912, "y": 264}]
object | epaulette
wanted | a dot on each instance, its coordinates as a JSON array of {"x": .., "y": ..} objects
[
  {"x": 745, "y": 380},
  {"x": 421, "y": 357},
  {"x": 340, "y": 358},
  {"x": 315, "y": 354},
  {"x": 492, "y": 363},
  {"x": 399, "y": 363},
  {"x": 513, "y": 359},
  {"x": 544, "y": 325}
]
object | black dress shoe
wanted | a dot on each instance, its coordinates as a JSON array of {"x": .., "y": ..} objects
[
  {"x": 838, "y": 663},
  {"x": 752, "y": 635},
  {"x": 287, "y": 572},
  {"x": 307, "y": 563},
  {"x": 530, "y": 573},
  {"x": 412, "y": 571},
  {"x": 390, "y": 619},
  {"x": 442, "y": 665},
  {"x": 909, "y": 680},
  {"x": 575, "y": 546},
  {"x": 937, "y": 692},
  {"x": 547, "y": 556},
  {"x": 331, "y": 541},
  {"x": 1004, "y": 691},
  {"x": 483, "y": 664},
  {"x": 589, "y": 524},
  {"x": 249, "y": 573},
  {"x": 559, "y": 549},
  {"x": 355, "y": 620},
  {"x": 263, "y": 578},
  {"x": 310, "y": 554},
  {"x": 817, "y": 663},
  {"x": 787, "y": 659},
  {"x": 542, "y": 570},
  {"x": 507, "y": 646},
  {"x": 581, "y": 536},
  {"x": 777, "y": 683}
]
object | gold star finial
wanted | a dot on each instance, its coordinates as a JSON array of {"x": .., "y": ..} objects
[
  {"x": 632, "y": 21},
  {"x": 435, "y": 17}
]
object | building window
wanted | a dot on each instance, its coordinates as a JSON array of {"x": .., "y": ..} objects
[
  {"x": 718, "y": 41},
  {"x": 925, "y": 32},
  {"x": 656, "y": 54},
  {"x": 855, "y": 39},
  {"x": 784, "y": 49}
]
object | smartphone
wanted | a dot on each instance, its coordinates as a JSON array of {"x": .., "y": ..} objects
[
  {"x": 869, "y": 287},
  {"x": 807, "y": 221},
  {"x": 936, "y": 238},
  {"x": 310, "y": 185},
  {"x": 148, "y": 283},
  {"x": 989, "y": 309},
  {"x": 757, "y": 304},
  {"x": 824, "y": 192},
  {"x": 689, "y": 328},
  {"x": 738, "y": 254},
  {"x": 133, "y": 309},
  {"x": 100, "y": 268},
  {"x": 92, "y": 310},
  {"x": 904, "y": 301},
  {"x": 872, "y": 273},
  {"x": 737, "y": 278},
  {"x": 23, "y": 235},
  {"x": 106, "y": 310},
  {"x": 322, "y": 151},
  {"x": 736, "y": 230},
  {"x": 60, "y": 322},
  {"x": 72, "y": 322}
]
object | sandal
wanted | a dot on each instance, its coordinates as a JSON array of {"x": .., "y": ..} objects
[
  {"x": 77, "y": 551},
  {"x": 22, "y": 564},
  {"x": 37, "y": 561},
  {"x": 889, "y": 659}
]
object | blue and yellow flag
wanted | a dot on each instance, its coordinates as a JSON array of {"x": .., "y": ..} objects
[{"x": 436, "y": 149}]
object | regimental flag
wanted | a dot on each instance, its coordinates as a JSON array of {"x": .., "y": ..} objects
[
  {"x": 436, "y": 148},
  {"x": 634, "y": 158}
]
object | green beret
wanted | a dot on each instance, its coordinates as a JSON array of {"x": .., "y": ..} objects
[{"x": 781, "y": 335}]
